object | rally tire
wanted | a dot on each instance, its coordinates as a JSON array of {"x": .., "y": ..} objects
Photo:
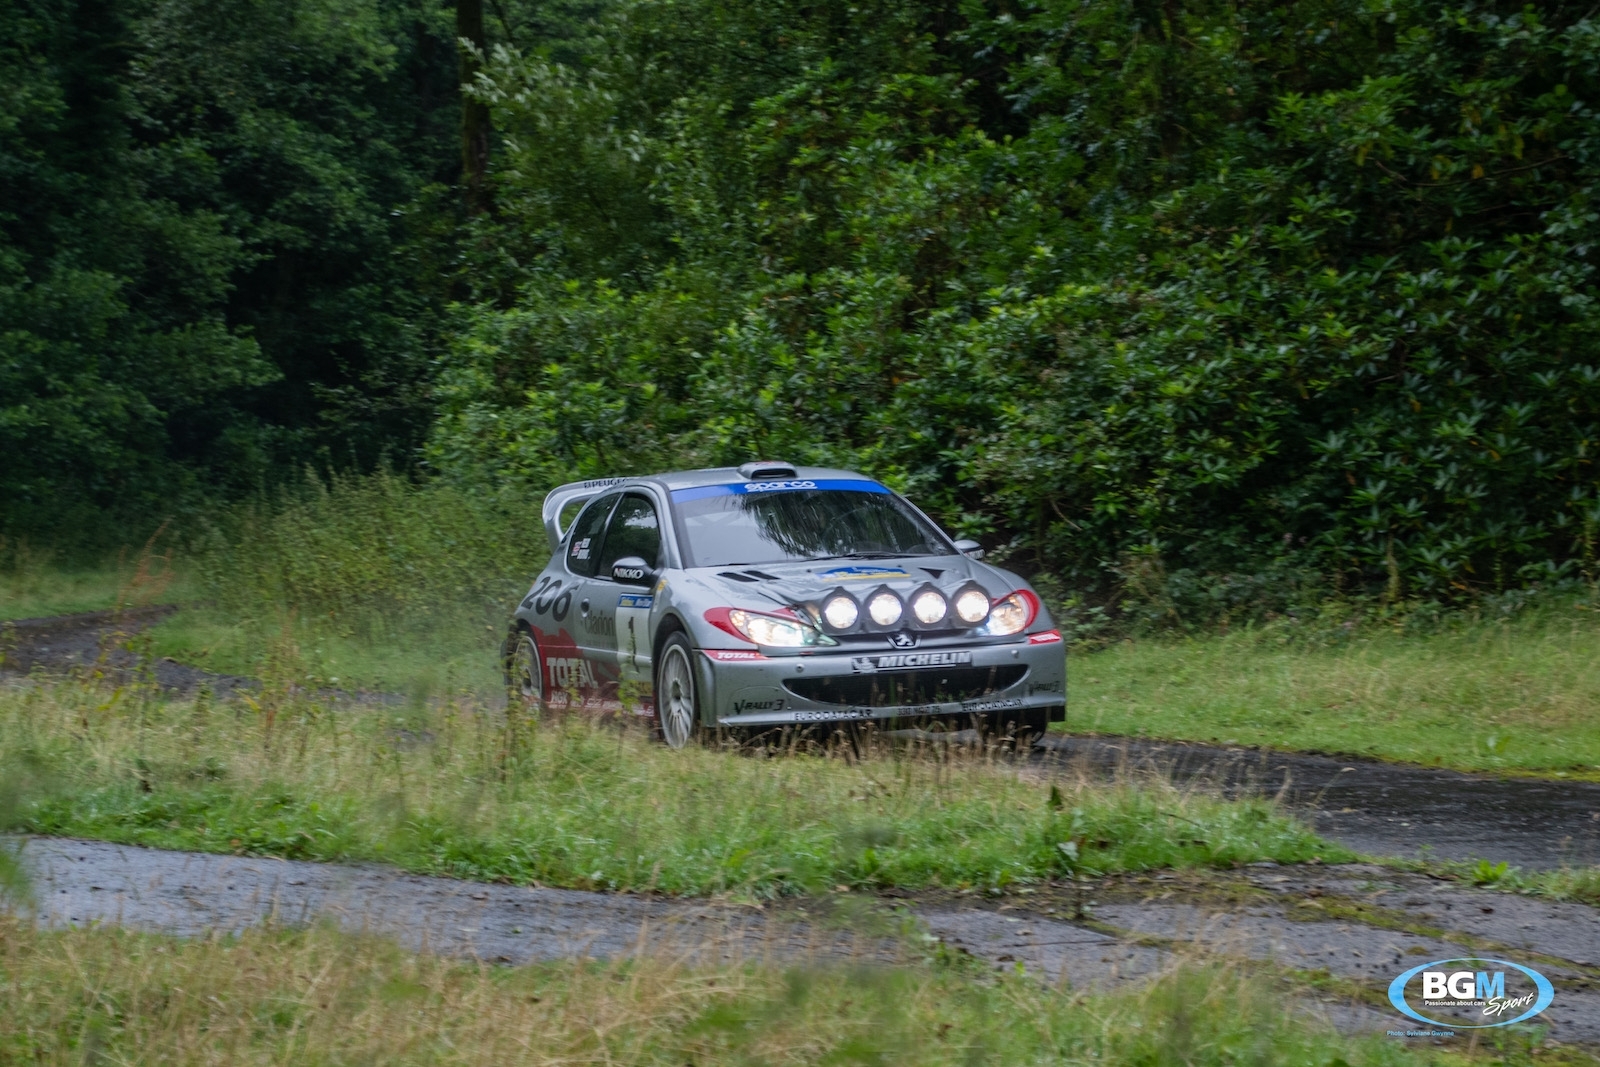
[
  {"x": 525, "y": 672},
  {"x": 677, "y": 692}
]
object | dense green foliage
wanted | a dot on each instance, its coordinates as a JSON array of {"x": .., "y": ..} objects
[
  {"x": 1152, "y": 295},
  {"x": 1164, "y": 291},
  {"x": 201, "y": 282}
]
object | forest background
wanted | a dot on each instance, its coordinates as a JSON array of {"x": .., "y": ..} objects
[{"x": 1195, "y": 306}]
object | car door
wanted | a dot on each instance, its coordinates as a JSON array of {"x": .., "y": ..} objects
[
  {"x": 560, "y": 606},
  {"x": 618, "y": 616}
]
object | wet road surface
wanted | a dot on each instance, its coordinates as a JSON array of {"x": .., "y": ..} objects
[
  {"x": 1359, "y": 923},
  {"x": 1380, "y": 809}
]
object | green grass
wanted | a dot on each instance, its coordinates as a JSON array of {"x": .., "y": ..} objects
[
  {"x": 33, "y": 584},
  {"x": 449, "y": 788},
  {"x": 402, "y": 655},
  {"x": 360, "y": 583},
  {"x": 1512, "y": 696},
  {"x": 317, "y": 996},
  {"x": 40, "y": 591}
]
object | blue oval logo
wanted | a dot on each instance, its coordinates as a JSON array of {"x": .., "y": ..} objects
[{"x": 1472, "y": 988}]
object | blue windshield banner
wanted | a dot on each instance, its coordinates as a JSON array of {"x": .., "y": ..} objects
[{"x": 848, "y": 485}]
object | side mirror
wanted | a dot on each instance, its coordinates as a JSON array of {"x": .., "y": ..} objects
[
  {"x": 968, "y": 547},
  {"x": 631, "y": 570}
]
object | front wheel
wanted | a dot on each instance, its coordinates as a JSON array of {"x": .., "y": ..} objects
[{"x": 677, "y": 694}]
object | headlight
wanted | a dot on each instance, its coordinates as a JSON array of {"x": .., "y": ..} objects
[
  {"x": 928, "y": 607},
  {"x": 972, "y": 606},
  {"x": 841, "y": 613},
  {"x": 1011, "y": 615},
  {"x": 885, "y": 609},
  {"x": 772, "y": 630}
]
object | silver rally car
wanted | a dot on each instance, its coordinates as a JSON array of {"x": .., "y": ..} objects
[{"x": 771, "y": 596}]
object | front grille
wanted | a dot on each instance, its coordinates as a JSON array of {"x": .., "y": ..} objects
[{"x": 902, "y": 688}]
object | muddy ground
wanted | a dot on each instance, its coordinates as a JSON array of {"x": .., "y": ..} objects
[{"x": 1353, "y": 927}]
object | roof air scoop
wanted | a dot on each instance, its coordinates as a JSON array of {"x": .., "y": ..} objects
[{"x": 766, "y": 468}]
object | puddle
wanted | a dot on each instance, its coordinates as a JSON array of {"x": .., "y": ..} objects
[{"x": 78, "y": 883}]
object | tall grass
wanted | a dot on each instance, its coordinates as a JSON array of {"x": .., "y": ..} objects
[
  {"x": 378, "y": 581},
  {"x": 376, "y": 546},
  {"x": 35, "y": 582},
  {"x": 315, "y": 996},
  {"x": 449, "y": 788}
]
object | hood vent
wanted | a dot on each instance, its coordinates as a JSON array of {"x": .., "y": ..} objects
[
  {"x": 749, "y": 576},
  {"x": 767, "y": 468}
]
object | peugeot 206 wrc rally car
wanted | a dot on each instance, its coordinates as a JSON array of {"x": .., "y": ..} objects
[{"x": 772, "y": 596}]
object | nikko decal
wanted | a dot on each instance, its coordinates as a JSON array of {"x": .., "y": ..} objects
[
  {"x": 863, "y": 574},
  {"x": 848, "y": 485},
  {"x": 1459, "y": 983}
]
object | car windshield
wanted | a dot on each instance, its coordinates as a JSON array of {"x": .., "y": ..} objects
[{"x": 730, "y": 525}]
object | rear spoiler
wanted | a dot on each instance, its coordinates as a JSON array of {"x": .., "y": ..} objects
[{"x": 557, "y": 499}]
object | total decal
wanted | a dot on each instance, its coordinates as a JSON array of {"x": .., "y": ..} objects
[
  {"x": 571, "y": 676},
  {"x": 570, "y": 672},
  {"x": 1489, "y": 992}
]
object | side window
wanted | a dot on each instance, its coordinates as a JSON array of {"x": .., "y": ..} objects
[
  {"x": 633, "y": 532},
  {"x": 583, "y": 544}
]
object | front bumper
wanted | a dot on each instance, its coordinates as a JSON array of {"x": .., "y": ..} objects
[{"x": 745, "y": 689}]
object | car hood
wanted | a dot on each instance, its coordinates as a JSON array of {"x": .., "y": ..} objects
[{"x": 784, "y": 584}]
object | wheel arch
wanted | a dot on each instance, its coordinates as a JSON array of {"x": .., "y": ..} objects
[
  {"x": 674, "y": 623},
  {"x": 670, "y": 624}
]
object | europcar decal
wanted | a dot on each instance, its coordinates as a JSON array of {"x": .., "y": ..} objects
[
  {"x": 908, "y": 661},
  {"x": 849, "y": 485},
  {"x": 976, "y": 706},
  {"x": 863, "y": 574},
  {"x": 1448, "y": 984}
]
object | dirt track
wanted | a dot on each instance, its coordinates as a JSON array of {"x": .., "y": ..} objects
[
  {"x": 1356, "y": 923},
  {"x": 1359, "y": 924}
]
